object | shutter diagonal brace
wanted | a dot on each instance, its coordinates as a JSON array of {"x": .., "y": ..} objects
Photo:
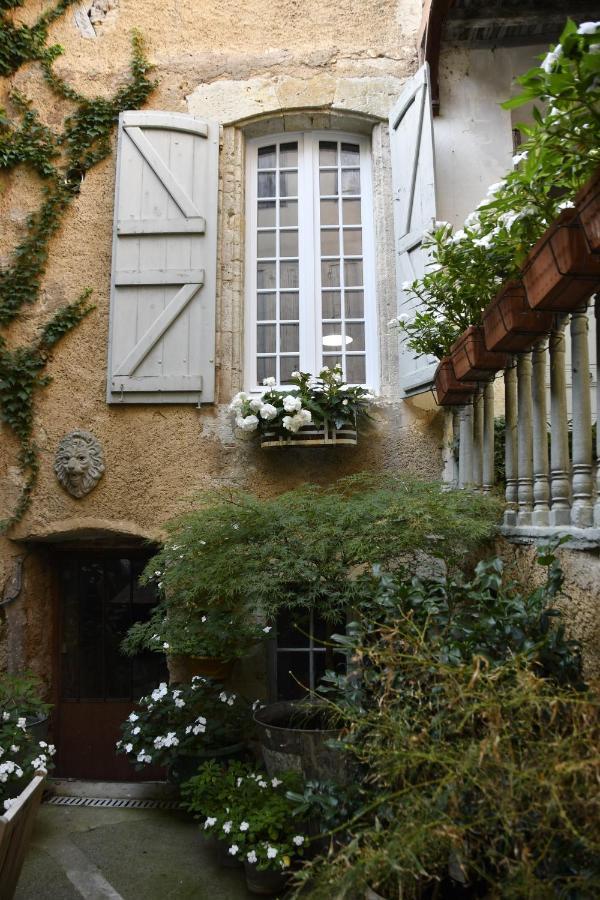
[
  {"x": 138, "y": 353},
  {"x": 163, "y": 173}
]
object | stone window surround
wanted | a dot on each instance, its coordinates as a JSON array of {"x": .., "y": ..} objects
[{"x": 231, "y": 249}]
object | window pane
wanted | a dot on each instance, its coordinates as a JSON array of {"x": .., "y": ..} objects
[
  {"x": 351, "y": 212},
  {"x": 288, "y": 243},
  {"x": 289, "y": 338},
  {"x": 265, "y": 307},
  {"x": 356, "y": 332},
  {"x": 355, "y": 370},
  {"x": 293, "y": 629},
  {"x": 355, "y": 307},
  {"x": 288, "y": 212},
  {"x": 330, "y": 360},
  {"x": 266, "y": 184},
  {"x": 327, "y": 153},
  {"x": 350, "y": 154},
  {"x": 266, "y": 157},
  {"x": 330, "y": 273},
  {"x": 288, "y": 184},
  {"x": 331, "y": 305},
  {"x": 288, "y": 155},
  {"x": 292, "y": 675},
  {"x": 328, "y": 183},
  {"x": 288, "y": 306},
  {"x": 265, "y": 275},
  {"x": 351, "y": 181},
  {"x": 265, "y": 368},
  {"x": 265, "y": 338},
  {"x": 353, "y": 272},
  {"x": 332, "y": 336},
  {"x": 287, "y": 365},
  {"x": 266, "y": 214},
  {"x": 329, "y": 212},
  {"x": 352, "y": 241},
  {"x": 265, "y": 244},
  {"x": 288, "y": 274},
  {"x": 330, "y": 242}
]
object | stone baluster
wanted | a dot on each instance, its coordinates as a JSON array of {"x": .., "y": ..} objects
[
  {"x": 511, "y": 468},
  {"x": 525, "y": 439},
  {"x": 448, "y": 471},
  {"x": 488, "y": 438},
  {"x": 597, "y": 505},
  {"x": 560, "y": 484},
  {"x": 541, "y": 467},
  {"x": 465, "y": 449},
  {"x": 478, "y": 440},
  {"x": 582, "y": 511}
]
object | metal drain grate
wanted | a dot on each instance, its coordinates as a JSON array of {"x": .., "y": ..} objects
[{"x": 54, "y": 800}]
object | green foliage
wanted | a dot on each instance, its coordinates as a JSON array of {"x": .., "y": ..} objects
[
  {"x": 62, "y": 161},
  {"x": 477, "y": 742},
  {"x": 305, "y": 548},
  {"x": 22, "y": 694},
  {"x": 560, "y": 153}
]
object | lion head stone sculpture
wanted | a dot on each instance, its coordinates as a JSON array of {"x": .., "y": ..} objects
[{"x": 79, "y": 464}]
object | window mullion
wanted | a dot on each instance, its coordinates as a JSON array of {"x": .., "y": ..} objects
[{"x": 306, "y": 239}]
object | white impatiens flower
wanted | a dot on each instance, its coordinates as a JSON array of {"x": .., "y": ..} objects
[
  {"x": 234, "y": 849},
  {"x": 203, "y": 619},
  {"x": 210, "y": 821},
  {"x": 486, "y": 241},
  {"x": 227, "y": 826},
  {"x": 292, "y": 404},
  {"x": 251, "y": 856},
  {"x": 128, "y": 748},
  {"x": 159, "y": 692},
  {"x": 271, "y": 852},
  {"x": 9, "y": 802},
  {"x": 519, "y": 157},
  {"x": 133, "y": 717},
  {"x": 247, "y": 423},
  {"x": 179, "y": 702},
  {"x": 588, "y": 28},
  {"x": 22, "y": 722},
  {"x": 551, "y": 59},
  {"x": 298, "y": 840},
  {"x": 267, "y": 411},
  {"x": 144, "y": 757},
  {"x": 135, "y": 730},
  {"x": 244, "y": 826},
  {"x": 269, "y": 382},
  {"x": 267, "y": 629},
  {"x": 458, "y": 236},
  {"x": 262, "y": 784},
  {"x": 494, "y": 188},
  {"x": 275, "y": 782},
  {"x": 566, "y": 204}
]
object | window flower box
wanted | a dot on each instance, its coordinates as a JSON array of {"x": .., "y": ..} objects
[
  {"x": 560, "y": 273},
  {"x": 310, "y": 436},
  {"x": 587, "y": 204},
  {"x": 471, "y": 359},
  {"x": 449, "y": 390},
  {"x": 510, "y": 324}
]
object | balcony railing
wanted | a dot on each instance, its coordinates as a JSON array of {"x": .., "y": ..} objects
[{"x": 551, "y": 452}]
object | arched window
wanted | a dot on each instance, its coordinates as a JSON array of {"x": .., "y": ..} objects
[{"x": 309, "y": 258}]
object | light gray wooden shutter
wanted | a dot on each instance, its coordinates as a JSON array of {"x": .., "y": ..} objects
[
  {"x": 411, "y": 137},
  {"x": 162, "y": 318}
]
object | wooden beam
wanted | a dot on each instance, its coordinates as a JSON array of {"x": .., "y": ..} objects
[{"x": 429, "y": 42}]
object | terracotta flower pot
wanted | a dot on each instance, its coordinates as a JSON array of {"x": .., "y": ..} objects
[
  {"x": 449, "y": 390},
  {"x": 472, "y": 360},
  {"x": 510, "y": 324},
  {"x": 183, "y": 668},
  {"x": 560, "y": 273},
  {"x": 587, "y": 204}
]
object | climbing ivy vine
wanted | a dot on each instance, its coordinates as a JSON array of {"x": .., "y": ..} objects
[{"x": 61, "y": 158}]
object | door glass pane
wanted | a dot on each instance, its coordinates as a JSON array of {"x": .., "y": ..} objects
[
  {"x": 355, "y": 306},
  {"x": 267, "y": 157},
  {"x": 288, "y": 243},
  {"x": 288, "y": 213},
  {"x": 330, "y": 242},
  {"x": 350, "y": 154},
  {"x": 350, "y": 181},
  {"x": 265, "y": 244},
  {"x": 69, "y": 648},
  {"x": 351, "y": 212},
  {"x": 328, "y": 183},
  {"x": 117, "y": 618},
  {"x": 265, "y": 275},
  {"x": 356, "y": 332},
  {"x": 266, "y": 367},
  {"x": 265, "y": 307},
  {"x": 328, "y": 153},
  {"x": 352, "y": 241},
  {"x": 288, "y": 155},
  {"x": 266, "y": 214},
  {"x": 289, "y": 338},
  {"x": 330, "y": 272},
  {"x": 91, "y": 597},
  {"x": 333, "y": 338},
  {"x": 331, "y": 305},
  {"x": 266, "y": 184},
  {"x": 329, "y": 212},
  {"x": 355, "y": 370},
  {"x": 288, "y": 184},
  {"x": 288, "y": 275},
  {"x": 353, "y": 272},
  {"x": 266, "y": 338},
  {"x": 289, "y": 306},
  {"x": 288, "y": 365}
]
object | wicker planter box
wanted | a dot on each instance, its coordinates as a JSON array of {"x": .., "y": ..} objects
[
  {"x": 310, "y": 436},
  {"x": 449, "y": 390},
  {"x": 472, "y": 360},
  {"x": 561, "y": 273},
  {"x": 510, "y": 324},
  {"x": 587, "y": 204}
]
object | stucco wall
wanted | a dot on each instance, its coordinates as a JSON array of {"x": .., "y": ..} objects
[{"x": 240, "y": 64}]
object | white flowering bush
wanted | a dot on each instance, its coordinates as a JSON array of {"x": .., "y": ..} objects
[
  {"x": 250, "y": 811},
  {"x": 560, "y": 153},
  {"x": 181, "y": 720},
  {"x": 311, "y": 400},
  {"x": 21, "y": 755}
]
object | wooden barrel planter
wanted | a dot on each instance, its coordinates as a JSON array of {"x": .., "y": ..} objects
[
  {"x": 471, "y": 359},
  {"x": 265, "y": 882},
  {"x": 293, "y": 738},
  {"x": 311, "y": 436},
  {"x": 587, "y": 204},
  {"x": 510, "y": 324},
  {"x": 183, "y": 668},
  {"x": 449, "y": 390},
  {"x": 560, "y": 273}
]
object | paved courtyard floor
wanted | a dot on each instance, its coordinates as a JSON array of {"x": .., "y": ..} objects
[{"x": 122, "y": 854}]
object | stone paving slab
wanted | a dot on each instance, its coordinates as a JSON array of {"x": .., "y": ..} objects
[{"x": 122, "y": 854}]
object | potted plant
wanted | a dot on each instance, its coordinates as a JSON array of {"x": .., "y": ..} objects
[
  {"x": 315, "y": 411},
  {"x": 587, "y": 204},
  {"x": 22, "y": 694},
  {"x": 183, "y": 725},
  {"x": 21, "y": 754},
  {"x": 449, "y": 390},
  {"x": 510, "y": 324},
  {"x": 294, "y": 736},
  {"x": 471, "y": 359},
  {"x": 251, "y": 812}
]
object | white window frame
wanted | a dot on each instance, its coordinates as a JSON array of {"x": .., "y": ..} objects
[{"x": 310, "y": 262}]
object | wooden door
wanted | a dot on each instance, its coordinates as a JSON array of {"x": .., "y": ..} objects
[{"x": 100, "y": 597}]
